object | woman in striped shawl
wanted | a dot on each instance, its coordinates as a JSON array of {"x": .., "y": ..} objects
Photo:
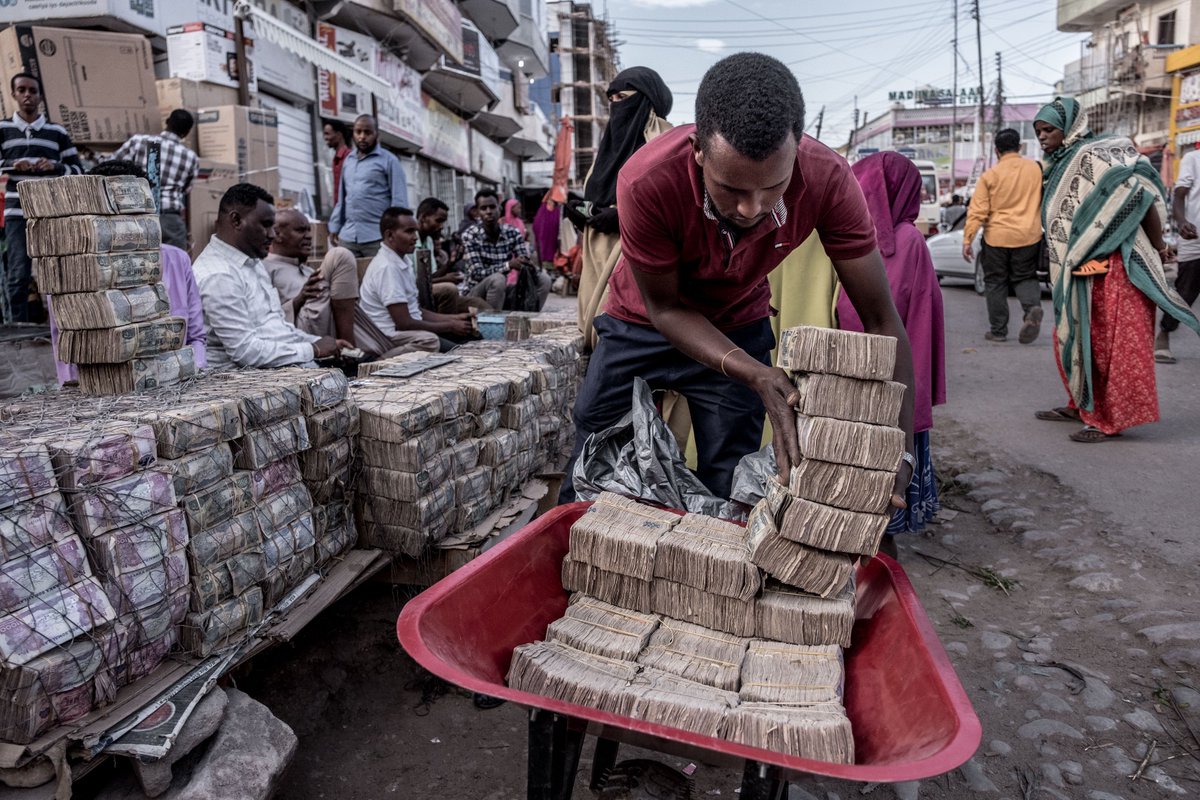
[{"x": 1103, "y": 211}]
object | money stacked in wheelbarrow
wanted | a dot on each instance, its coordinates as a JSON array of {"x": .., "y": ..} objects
[
  {"x": 96, "y": 247},
  {"x": 448, "y": 445},
  {"x": 778, "y": 696},
  {"x": 835, "y": 508}
]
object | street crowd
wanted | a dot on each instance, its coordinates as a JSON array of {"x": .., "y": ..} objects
[
  {"x": 697, "y": 243},
  {"x": 252, "y": 298}
]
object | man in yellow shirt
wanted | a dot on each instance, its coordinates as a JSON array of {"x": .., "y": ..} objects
[{"x": 1007, "y": 205}]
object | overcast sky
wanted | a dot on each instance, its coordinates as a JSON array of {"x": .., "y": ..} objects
[{"x": 846, "y": 48}]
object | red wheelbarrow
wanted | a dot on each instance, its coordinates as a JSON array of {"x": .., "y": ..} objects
[{"x": 911, "y": 717}]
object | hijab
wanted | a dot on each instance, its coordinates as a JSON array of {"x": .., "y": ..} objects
[
  {"x": 891, "y": 184},
  {"x": 511, "y": 217},
  {"x": 625, "y": 132}
]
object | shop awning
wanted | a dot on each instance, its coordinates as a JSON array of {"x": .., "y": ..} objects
[{"x": 292, "y": 40}]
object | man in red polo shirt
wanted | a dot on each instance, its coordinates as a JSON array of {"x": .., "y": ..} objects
[{"x": 706, "y": 212}]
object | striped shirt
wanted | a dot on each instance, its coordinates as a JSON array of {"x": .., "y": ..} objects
[
  {"x": 33, "y": 140},
  {"x": 177, "y": 169}
]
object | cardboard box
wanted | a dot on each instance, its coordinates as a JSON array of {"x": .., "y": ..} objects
[
  {"x": 203, "y": 204},
  {"x": 212, "y": 170},
  {"x": 99, "y": 86},
  {"x": 182, "y": 93},
  {"x": 198, "y": 51},
  {"x": 131, "y": 15},
  {"x": 248, "y": 137}
]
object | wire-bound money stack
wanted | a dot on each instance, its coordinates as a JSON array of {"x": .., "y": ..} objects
[
  {"x": 130, "y": 525},
  {"x": 835, "y": 508},
  {"x": 95, "y": 243},
  {"x": 446, "y": 441},
  {"x": 55, "y": 618}
]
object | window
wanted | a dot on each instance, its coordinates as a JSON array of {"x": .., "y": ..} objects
[{"x": 1166, "y": 28}]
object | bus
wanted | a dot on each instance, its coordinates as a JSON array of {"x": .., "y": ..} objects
[{"x": 931, "y": 210}]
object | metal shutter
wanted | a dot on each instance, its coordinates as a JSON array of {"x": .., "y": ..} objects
[{"x": 296, "y": 156}]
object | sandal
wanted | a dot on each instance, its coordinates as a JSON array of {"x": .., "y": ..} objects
[
  {"x": 1164, "y": 356},
  {"x": 1090, "y": 435},
  {"x": 1060, "y": 414},
  {"x": 1094, "y": 267}
]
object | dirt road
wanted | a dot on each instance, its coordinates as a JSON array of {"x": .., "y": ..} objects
[{"x": 1070, "y": 612}]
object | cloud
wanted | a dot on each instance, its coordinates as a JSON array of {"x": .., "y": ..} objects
[
  {"x": 710, "y": 45},
  {"x": 671, "y": 3}
]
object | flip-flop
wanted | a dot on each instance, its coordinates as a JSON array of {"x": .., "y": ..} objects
[
  {"x": 1060, "y": 414},
  {"x": 1164, "y": 357},
  {"x": 1090, "y": 435}
]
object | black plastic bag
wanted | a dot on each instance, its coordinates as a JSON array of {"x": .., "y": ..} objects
[{"x": 638, "y": 457}]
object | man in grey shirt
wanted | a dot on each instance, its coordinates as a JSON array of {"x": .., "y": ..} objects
[{"x": 372, "y": 181}]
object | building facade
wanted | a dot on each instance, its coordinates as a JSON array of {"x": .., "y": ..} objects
[
  {"x": 942, "y": 133},
  {"x": 449, "y": 81},
  {"x": 1121, "y": 76}
]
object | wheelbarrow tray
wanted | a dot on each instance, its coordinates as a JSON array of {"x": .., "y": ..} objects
[{"x": 910, "y": 715}]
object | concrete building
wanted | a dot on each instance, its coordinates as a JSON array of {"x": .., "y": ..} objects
[
  {"x": 1121, "y": 76},
  {"x": 583, "y": 62},
  {"x": 925, "y": 134}
]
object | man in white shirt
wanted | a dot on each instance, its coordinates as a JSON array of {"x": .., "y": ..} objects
[
  {"x": 246, "y": 326},
  {"x": 1186, "y": 211},
  {"x": 389, "y": 302}
]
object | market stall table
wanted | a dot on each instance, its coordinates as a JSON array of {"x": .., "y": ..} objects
[{"x": 911, "y": 717}]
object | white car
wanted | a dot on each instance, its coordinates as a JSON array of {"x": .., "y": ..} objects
[{"x": 946, "y": 251}]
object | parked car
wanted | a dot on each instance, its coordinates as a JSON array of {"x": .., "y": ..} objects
[{"x": 946, "y": 251}]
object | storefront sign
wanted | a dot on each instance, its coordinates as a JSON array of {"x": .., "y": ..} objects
[
  {"x": 401, "y": 113},
  {"x": 440, "y": 20},
  {"x": 279, "y": 67},
  {"x": 447, "y": 139},
  {"x": 337, "y": 96},
  {"x": 1189, "y": 88},
  {"x": 487, "y": 157},
  {"x": 931, "y": 96}
]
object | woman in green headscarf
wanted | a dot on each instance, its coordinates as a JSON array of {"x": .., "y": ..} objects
[{"x": 1103, "y": 210}]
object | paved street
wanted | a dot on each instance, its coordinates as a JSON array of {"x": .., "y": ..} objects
[{"x": 1141, "y": 481}]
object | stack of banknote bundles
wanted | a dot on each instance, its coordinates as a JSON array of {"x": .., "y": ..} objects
[
  {"x": 612, "y": 551},
  {"x": 554, "y": 669},
  {"x": 836, "y": 506},
  {"x": 821, "y": 731},
  {"x": 603, "y": 629},
  {"x": 445, "y": 442},
  {"x": 95, "y": 243},
  {"x": 58, "y": 627},
  {"x": 696, "y": 653},
  {"x": 786, "y": 614},
  {"x": 703, "y": 574},
  {"x": 40, "y": 553},
  {"x": 125, "y": 509}
]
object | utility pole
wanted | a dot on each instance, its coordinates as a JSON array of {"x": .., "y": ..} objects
[
  {"x": 954, "y": 109},
  {"x": 820, "y": 119},
  {"x": 999, "y": 94},
  {"x": 855, "y": 129},
  {"x": 979, "y": 153}
]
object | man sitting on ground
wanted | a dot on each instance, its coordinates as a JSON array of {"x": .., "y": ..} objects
[
  {"x": 444, "y": 279},
  {"x": 317, "y": 301},
  {"x": 493, "y": 248},
  {"x": 246, "y": 326},
  {"x": 391, "y": 320}
]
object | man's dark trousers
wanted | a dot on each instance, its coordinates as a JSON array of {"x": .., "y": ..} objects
[
  {"x": 1004, "y": 267},
  {"x": 18, "y": 269},
  {"x": 1188, "y": 286},
  {"x": 727, "y": 416}
]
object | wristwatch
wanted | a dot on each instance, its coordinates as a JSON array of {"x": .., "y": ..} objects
[{"x": 909, "y": 459}]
